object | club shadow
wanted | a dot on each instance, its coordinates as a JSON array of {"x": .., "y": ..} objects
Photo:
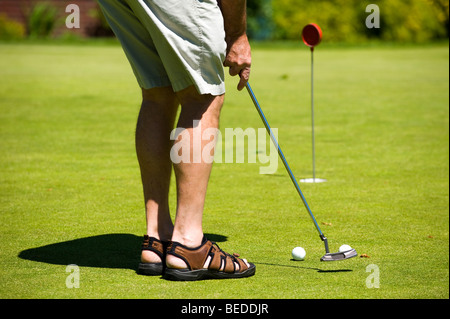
[
  {"x": 101, "y": 251},
  {"x": 303, "y": 267}
]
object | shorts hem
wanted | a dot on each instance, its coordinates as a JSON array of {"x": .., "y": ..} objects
[
  {"x": 154, "y": 83},
  {"x": 201, "y": 86},
  {"x": 181, "y": 84}
]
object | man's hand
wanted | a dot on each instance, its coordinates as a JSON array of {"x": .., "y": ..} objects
[{"x": 239, "y": 59}]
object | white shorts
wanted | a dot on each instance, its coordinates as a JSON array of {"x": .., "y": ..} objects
[{"x": 175, "y": 43}]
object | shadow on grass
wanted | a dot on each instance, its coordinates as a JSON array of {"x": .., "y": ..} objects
[
  {"x": 103, "y": 251},
  {"x": 300, "y": 267}
]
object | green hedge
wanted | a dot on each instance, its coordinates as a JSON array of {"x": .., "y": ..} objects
[
  {"x": 344, "y": 20},
  {"x": 10, "y": 29}
]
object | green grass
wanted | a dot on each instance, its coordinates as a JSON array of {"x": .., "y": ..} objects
[{"x": 70, "y": 188}]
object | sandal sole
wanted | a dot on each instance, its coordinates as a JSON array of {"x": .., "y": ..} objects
[
  {"x": 204, "y": 274},
  {"x": 150, "y": 269}
]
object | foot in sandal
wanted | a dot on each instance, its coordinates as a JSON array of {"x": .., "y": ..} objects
[
  {"x": 153, "y": 256},
  {"x": 206, "y": 261}
]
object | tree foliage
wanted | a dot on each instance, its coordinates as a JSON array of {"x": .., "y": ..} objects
[{"x": 345, "y": 20}]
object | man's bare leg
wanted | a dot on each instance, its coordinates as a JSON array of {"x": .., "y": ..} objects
[
  {"x": 192, "y": 178},
  {"x": 156, "y": 121}
]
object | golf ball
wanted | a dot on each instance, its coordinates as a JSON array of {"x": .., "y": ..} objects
[
  {"x": 298, "y": 253},
  {"x": 344, "y": 248}
]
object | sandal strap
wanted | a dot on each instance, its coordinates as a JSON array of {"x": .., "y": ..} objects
[
  {"x": 225, "y": 261},
  {"x": 195, "y": 258},
  {"x": 154, "y": 245}
]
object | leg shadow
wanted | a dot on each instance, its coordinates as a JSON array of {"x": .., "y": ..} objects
[{"x": 102, "y": 251}]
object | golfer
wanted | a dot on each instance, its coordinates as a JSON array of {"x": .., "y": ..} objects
[{"x": 177, "y": 50}]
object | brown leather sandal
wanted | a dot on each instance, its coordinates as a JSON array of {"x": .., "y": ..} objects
[
  {"x": 221, "y": 264},
  {"x": 159, "y": 248}
]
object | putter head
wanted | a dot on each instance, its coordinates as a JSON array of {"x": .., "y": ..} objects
[{"x": 339, "y": 256}]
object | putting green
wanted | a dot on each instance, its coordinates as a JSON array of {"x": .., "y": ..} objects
[{"x": 70, "y": 190}]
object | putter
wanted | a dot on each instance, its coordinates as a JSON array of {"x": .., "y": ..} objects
[{"x": 328, "y": 256}]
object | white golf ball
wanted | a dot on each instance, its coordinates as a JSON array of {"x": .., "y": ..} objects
[
  {"x": 298, "y": 253},
  {"x": 344, "y": 248}
]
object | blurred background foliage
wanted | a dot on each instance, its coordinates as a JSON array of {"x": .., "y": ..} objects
[
  {"x": 344, "y": 20},
  {"x": 341, "y": 20}
]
